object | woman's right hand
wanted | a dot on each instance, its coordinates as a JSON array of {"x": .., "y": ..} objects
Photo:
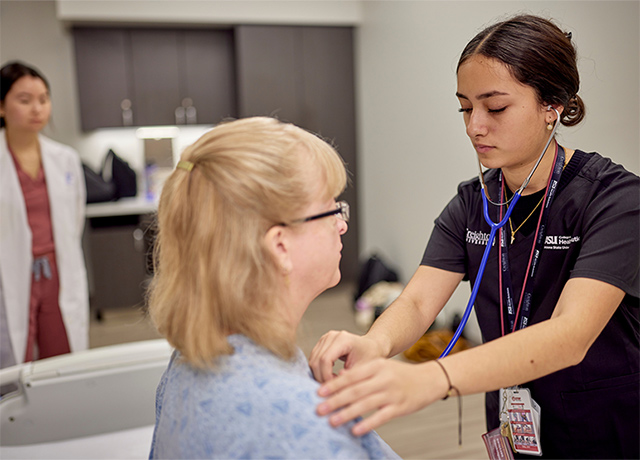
[{"x": 350, "y": 348}]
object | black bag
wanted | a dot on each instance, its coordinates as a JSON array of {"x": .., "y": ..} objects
[
  {"x": 98, "y": 190},
  {"x": 373, "y": 271},
  {"x": 118, "y": 171}
]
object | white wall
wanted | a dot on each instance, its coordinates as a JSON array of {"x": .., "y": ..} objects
[{"x": 412, "y": 145}]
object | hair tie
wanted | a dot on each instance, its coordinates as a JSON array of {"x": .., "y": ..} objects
[
  {"x": 568, "y": 35},
  {"x": 186, "y": 165}
]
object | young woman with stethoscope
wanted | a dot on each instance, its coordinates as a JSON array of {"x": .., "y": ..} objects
[{"x": 558, "y": 302}]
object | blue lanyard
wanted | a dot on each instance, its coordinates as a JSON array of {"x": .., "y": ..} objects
[{"x": 523, "y": 311}]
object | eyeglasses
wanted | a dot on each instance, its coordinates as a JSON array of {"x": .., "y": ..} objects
[{"x": 342, "y": 211}]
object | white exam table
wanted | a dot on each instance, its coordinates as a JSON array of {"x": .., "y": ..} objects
[{"x": 97, "y": 404}]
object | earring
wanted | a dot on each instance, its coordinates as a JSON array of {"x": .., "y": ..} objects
[{"x": 550, "y": 126}]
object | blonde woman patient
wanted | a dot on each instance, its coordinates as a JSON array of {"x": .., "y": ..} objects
[{"x": 249, "y": 233}]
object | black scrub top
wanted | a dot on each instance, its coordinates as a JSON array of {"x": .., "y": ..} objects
[{"x": 590, "y": 410}]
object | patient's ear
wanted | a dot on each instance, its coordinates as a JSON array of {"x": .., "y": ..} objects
[{"x": 277, "y": 242}]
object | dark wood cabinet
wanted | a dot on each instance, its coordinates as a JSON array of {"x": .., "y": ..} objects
[
  {"x": 103, "y": 70},
  {"x": 116, "y": 250},
  {"x": 269, "y": 79},
  {"x": 209, "y": 62},
  {"x": 145, "y": 77},
  {"x": 156, "y": 76}
]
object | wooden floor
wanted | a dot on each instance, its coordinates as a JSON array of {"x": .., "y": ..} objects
[{"x": 431, "y": 433}]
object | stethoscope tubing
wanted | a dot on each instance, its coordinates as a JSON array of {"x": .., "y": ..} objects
[
  {"x": 483, "y": 264},
  {"x": 495, "y": 226}
]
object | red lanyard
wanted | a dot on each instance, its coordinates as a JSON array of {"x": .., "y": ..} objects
[{"x": 506, "y": 287}]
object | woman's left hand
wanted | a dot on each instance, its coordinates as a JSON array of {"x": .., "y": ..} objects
[{"x": 386, "y": 388}]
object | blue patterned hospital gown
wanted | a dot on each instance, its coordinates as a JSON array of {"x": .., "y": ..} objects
[{"x": 253, "y": 405}]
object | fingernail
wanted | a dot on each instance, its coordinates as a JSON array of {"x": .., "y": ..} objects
[
  {"x": 323, "y": 409},
  {"x": 358, "y": 430},
  {"x": 323, "y": 391},
  {"x": 335, "y": 420}
]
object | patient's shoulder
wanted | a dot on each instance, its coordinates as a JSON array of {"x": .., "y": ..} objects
[{"x": 266, "y": 409}]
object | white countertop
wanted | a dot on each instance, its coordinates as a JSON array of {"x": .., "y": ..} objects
[{"x": 122, "y": 207}]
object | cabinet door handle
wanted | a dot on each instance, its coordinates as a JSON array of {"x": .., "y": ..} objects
[
  {"x": 180, "y": 115},
  {"x": 127, "y": 112},
  {"x": 138, "y": 240},
  {"x": 189, "y": 111},
  {"x": 192, "y": 115}
]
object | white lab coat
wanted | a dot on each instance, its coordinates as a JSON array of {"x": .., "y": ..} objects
[{"x": 66, "y": 189}]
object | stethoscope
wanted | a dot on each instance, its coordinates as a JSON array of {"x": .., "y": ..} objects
[{"x": 495, "y": 226}]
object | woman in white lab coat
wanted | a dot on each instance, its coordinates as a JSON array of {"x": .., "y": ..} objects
[{"x": 43, "y": 282}]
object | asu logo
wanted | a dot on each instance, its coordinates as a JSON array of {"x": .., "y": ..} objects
[{"x": 559, "y": 241}]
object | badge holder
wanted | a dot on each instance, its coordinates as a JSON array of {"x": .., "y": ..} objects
[
  {"x": 497, "y": 445},
  {"x": 520, "y": 420}
]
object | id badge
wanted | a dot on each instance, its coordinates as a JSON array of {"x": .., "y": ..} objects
[
  {"x": 497, "y": 445},
  {"x": 523, "y": 419}
]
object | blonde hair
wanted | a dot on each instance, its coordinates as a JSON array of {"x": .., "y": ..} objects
[{"x": 213, "y": 274}]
